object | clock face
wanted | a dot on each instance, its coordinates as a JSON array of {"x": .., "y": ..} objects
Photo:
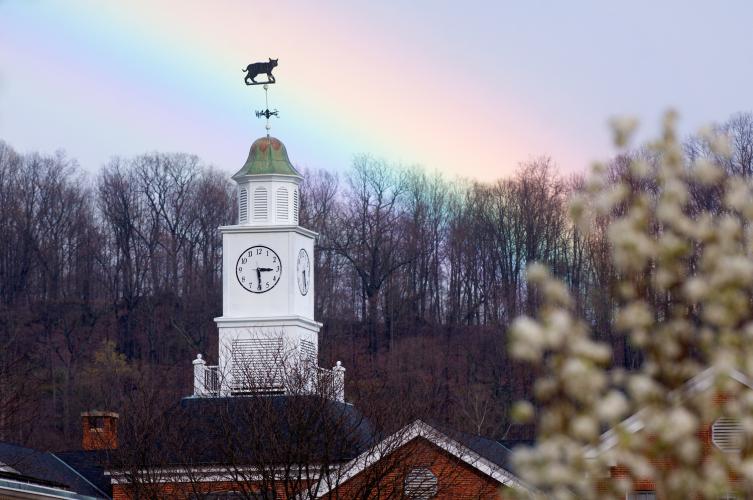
[
  {"x": 303, "y": 270},
  {"x": 258, "y": 269}
]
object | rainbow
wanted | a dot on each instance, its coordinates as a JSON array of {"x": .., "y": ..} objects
[{"x": 104, "y": 78}]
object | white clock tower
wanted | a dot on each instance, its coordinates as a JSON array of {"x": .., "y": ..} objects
[{"x": 267, "y": 333}]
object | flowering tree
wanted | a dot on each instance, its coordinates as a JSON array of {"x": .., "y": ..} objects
[{"x": 684, "y": 282}]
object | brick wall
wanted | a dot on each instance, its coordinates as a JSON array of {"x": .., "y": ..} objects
[
  {"x": 643, "y": 484},
  {"x": 99, "y": 430},
  {"x": 456, "y": 480}
]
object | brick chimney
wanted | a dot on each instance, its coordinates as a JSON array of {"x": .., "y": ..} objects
[{"x": 100, "y": 430}]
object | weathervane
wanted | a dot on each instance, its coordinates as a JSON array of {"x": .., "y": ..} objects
[{"x": 252, "y": 71}]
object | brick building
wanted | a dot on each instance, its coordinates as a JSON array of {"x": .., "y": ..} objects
[
  {"x": 418, "y": 461},
  {"x": 219, "y": 453},
  {"x": 723, "y": 435}
]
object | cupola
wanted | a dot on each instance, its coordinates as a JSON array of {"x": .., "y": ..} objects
[{"x": 268, "y": 186}]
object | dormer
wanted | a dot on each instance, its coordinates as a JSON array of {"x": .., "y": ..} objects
[{"x": 268, "y": 186}]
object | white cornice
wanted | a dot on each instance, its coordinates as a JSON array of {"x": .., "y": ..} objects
[
  {"x": 242, "y": 179},
  {"x": 272, "y": 321},
  {"x": 242, "y": 228}
]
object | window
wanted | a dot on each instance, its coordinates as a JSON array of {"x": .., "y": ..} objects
[
  {"x": 260, "y": 204},
  {"x": 96, "y": 422},
  {"x": 420, "y": 484},
  {"x": 281, "y": 203},
  {"x": 295, "y": 205},
  {"x": 727, "y": 434},
  {"x": 243, "y": 206}
]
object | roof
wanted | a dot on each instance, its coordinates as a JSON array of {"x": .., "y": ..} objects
[
  {"x": 256, "y": 430},
  {"x": 267, "y": 156},
  {"x": 90, "y": 465},
  {"x": 492, "y": 450},
  {"x": 55, "y": 469}
]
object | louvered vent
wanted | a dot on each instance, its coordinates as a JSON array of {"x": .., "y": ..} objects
[
  {"x": 308, "y": 353},
  {"x": 727, "y": 434},
  {"x": 260, "y": 204},
  {"x": 420, "y": 484},
  {"x": 257, "y": 365},
  {"x": 643, "y": 495},
  {"x": 243, "y": 206},
  {"x": 295, "y": 205},
  {"x": 282, "y": 203}
]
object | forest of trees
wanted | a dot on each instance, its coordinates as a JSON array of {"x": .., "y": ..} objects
[{"x": 109, "y": 282}]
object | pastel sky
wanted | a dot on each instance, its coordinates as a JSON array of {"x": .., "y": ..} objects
[{"x": 465, "y": 88}]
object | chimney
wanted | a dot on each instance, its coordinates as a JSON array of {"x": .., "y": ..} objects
[{"x": 100, "y": 430}]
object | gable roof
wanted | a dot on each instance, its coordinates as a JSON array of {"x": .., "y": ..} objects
[
  {"x": 50, "y": 468},
  {"x": 90, "y": 466},
  {"x": 488, "y": 457}
]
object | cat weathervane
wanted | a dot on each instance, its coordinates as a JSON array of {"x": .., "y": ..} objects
[
  {"x": 255, "y": 69},
  {"x": 252, "y": 71}
]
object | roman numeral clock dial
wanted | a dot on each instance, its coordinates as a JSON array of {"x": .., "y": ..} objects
[{"x": 258, "y": 269}]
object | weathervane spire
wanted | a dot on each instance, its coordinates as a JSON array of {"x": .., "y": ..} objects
[{"x": 252, "y": 71}]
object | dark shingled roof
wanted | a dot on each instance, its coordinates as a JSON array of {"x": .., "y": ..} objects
[
  {"x": 90, "y": 465},
  {"x": 257, "y": 430},
  {"x": 487, "y": 448},
  {"x": 52, "y": 468}
]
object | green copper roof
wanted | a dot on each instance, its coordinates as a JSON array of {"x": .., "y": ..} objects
[{"x": 267, "y": 156}]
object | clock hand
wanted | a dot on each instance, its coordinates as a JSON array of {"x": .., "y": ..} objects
[
  {"x": 258, "y": 278},
  {"x": 264, "y": 269}
]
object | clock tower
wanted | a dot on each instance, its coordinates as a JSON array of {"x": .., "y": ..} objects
[{"x": 267, "y": 333}]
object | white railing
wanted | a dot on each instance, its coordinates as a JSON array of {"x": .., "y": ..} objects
[
  {"x": 208, "y": 382},
  {"x": 206, "y": 379},
  {"x": 212, "y": 379},
  {"x": 331, "y": 383}
]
